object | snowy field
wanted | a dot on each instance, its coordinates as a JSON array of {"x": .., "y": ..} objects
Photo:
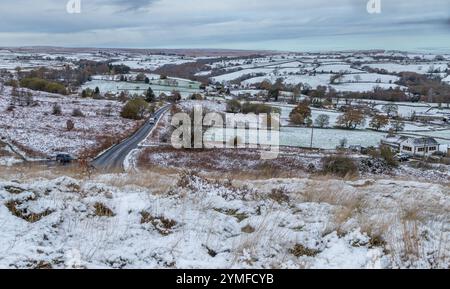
[
  {"x": 364, "y": 87},
  {"x": 35, "y": 128},
  {"x": 139, "y": 88},
  {"x": 152, "y": 62},
  {"x": 418, "y": 68},
  {"x": 300, "y": 137},
  {"x": 315, "y": 70},
  {"x": 126, "y": 221}
]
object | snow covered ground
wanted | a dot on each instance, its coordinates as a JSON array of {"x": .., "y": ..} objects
[
  {"x": 316, "y": 70},
  {"x": 364, "y": 87},
  {"x": 152, "y": 62},
  {"x": 36, "y": 130},
  {"x": 189, "y": 221},
  {"x": 418, "y": 68},
  {"x": 108, "y": 86}
]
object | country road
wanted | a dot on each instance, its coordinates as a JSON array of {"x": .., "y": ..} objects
[{"x": 116, "y": 155}]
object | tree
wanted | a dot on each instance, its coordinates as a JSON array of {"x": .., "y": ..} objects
[
  {"x": 388, "y": 155},
  {"x": 97, "y": 90},
  {"x": 297, "y": 119},
  {"x": 300, "y": 113},
  {"x": 351, "y": 119},
  {"x": 150, "y": 95},
  {"x": 134, "y": 109},
  {"x": 390, "y": 109},
  {"x": 343, "y": 143},
  {"x": 296, "y": 92},
  {"x": 70, "y": 125},
  {"x": 56, "y": 110},
  {"x": 274, "y": 91},
  {"x": 336, "y": 78},
  {"x": 265, "y": 85},
  {"x": 397, "y": 125},
  {"x": 123, "y": 96},
  {"x": 108, "y": 110},
  {"x": 175, "y": 96},
  {"x": 77, "y": 113},
  {"x": 234, "y": 106},
  {"x": 140, "y": 77},
  {"x": 319, "y": 92},
  {"x": 379, "y": 121},
  {"x": 322, "y": 121}
]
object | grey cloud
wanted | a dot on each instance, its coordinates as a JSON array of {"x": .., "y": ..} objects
[{"x": 204, "y": 23}]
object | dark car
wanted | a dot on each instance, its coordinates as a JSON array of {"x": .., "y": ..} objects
[
  {"x": 402, "y": 157},
  {"x": 439, "y": 154},
  {"x": 64, "y": 158}
]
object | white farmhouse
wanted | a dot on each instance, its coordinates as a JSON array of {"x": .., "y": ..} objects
[{"x": 424, "y": 146}]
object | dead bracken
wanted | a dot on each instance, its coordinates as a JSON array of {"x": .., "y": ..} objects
[
  {"x": 24, "y": 213},
  {"x": 103, "y": 211},
  {"x": 14, "y": 190},
  {"x": 279, "y": 195},
  {"x": 234, "y": 213},
  {"x": 163, "y": 225},
  {"x": 248, "y": 229},
  {"x": 299, "y": 250}
]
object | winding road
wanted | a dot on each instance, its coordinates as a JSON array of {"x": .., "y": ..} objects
[{"x": 114, "y": 157}]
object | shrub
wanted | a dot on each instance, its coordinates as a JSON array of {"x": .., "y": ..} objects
[
  {"x": 196, "y": 96},
  {"x": 233, "y": 106},
  {"x": 257, "y": 108},
  {"x": 300, "y": 113},
  {"x": 322, "y": 121},
  {"x": 103, "y": 211},
  {"x": 299, "y": 250},
  {"x": 388, "y": 155},
  {"x": 40, "y": 84},
  {"x": 56, "y": 110},
  {"x": 341, "y": 166},
  {"x": 134, "y": 109},
  {"x": 70, "y": 125},
  {"x": 297, "y": 119},
  {"x": 351, "y": 119},
  {"x": 77, "y": 113}
]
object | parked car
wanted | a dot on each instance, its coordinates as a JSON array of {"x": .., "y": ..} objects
[
  {"x": 439, "y": 154},
  {"x": 64, "y": 158},
  {"x": 358, "y": 149},
  {"x": 402, "y": 157}
]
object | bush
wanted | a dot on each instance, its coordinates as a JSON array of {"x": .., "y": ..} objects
[
  {"x": 77, "y": 113},
  {"x": 40, "y": 84},
  {"x": 297, "y": 119},
  {"x": 341, "y": 166},
  {"x": 70, "y": 125},
  {"x": 257, "y": 108},
  {"x": 322, "y": 121},
  {"x": 56, "y": 110},
  {"x": 134, "y": 109},
  {"x": 388, "y": 155},
  {"x": 300, "y": 113},
  {"x": 233, "y": 106},
  {"x": 196, "y": 96}
]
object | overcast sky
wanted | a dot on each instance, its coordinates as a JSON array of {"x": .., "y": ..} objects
[{"x": 295, "y": 25}]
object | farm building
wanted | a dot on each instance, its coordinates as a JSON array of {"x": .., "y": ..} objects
[{"x": 424, "y": 146}]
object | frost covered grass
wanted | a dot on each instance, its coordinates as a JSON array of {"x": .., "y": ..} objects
[{"x": 110, "y": 221}]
